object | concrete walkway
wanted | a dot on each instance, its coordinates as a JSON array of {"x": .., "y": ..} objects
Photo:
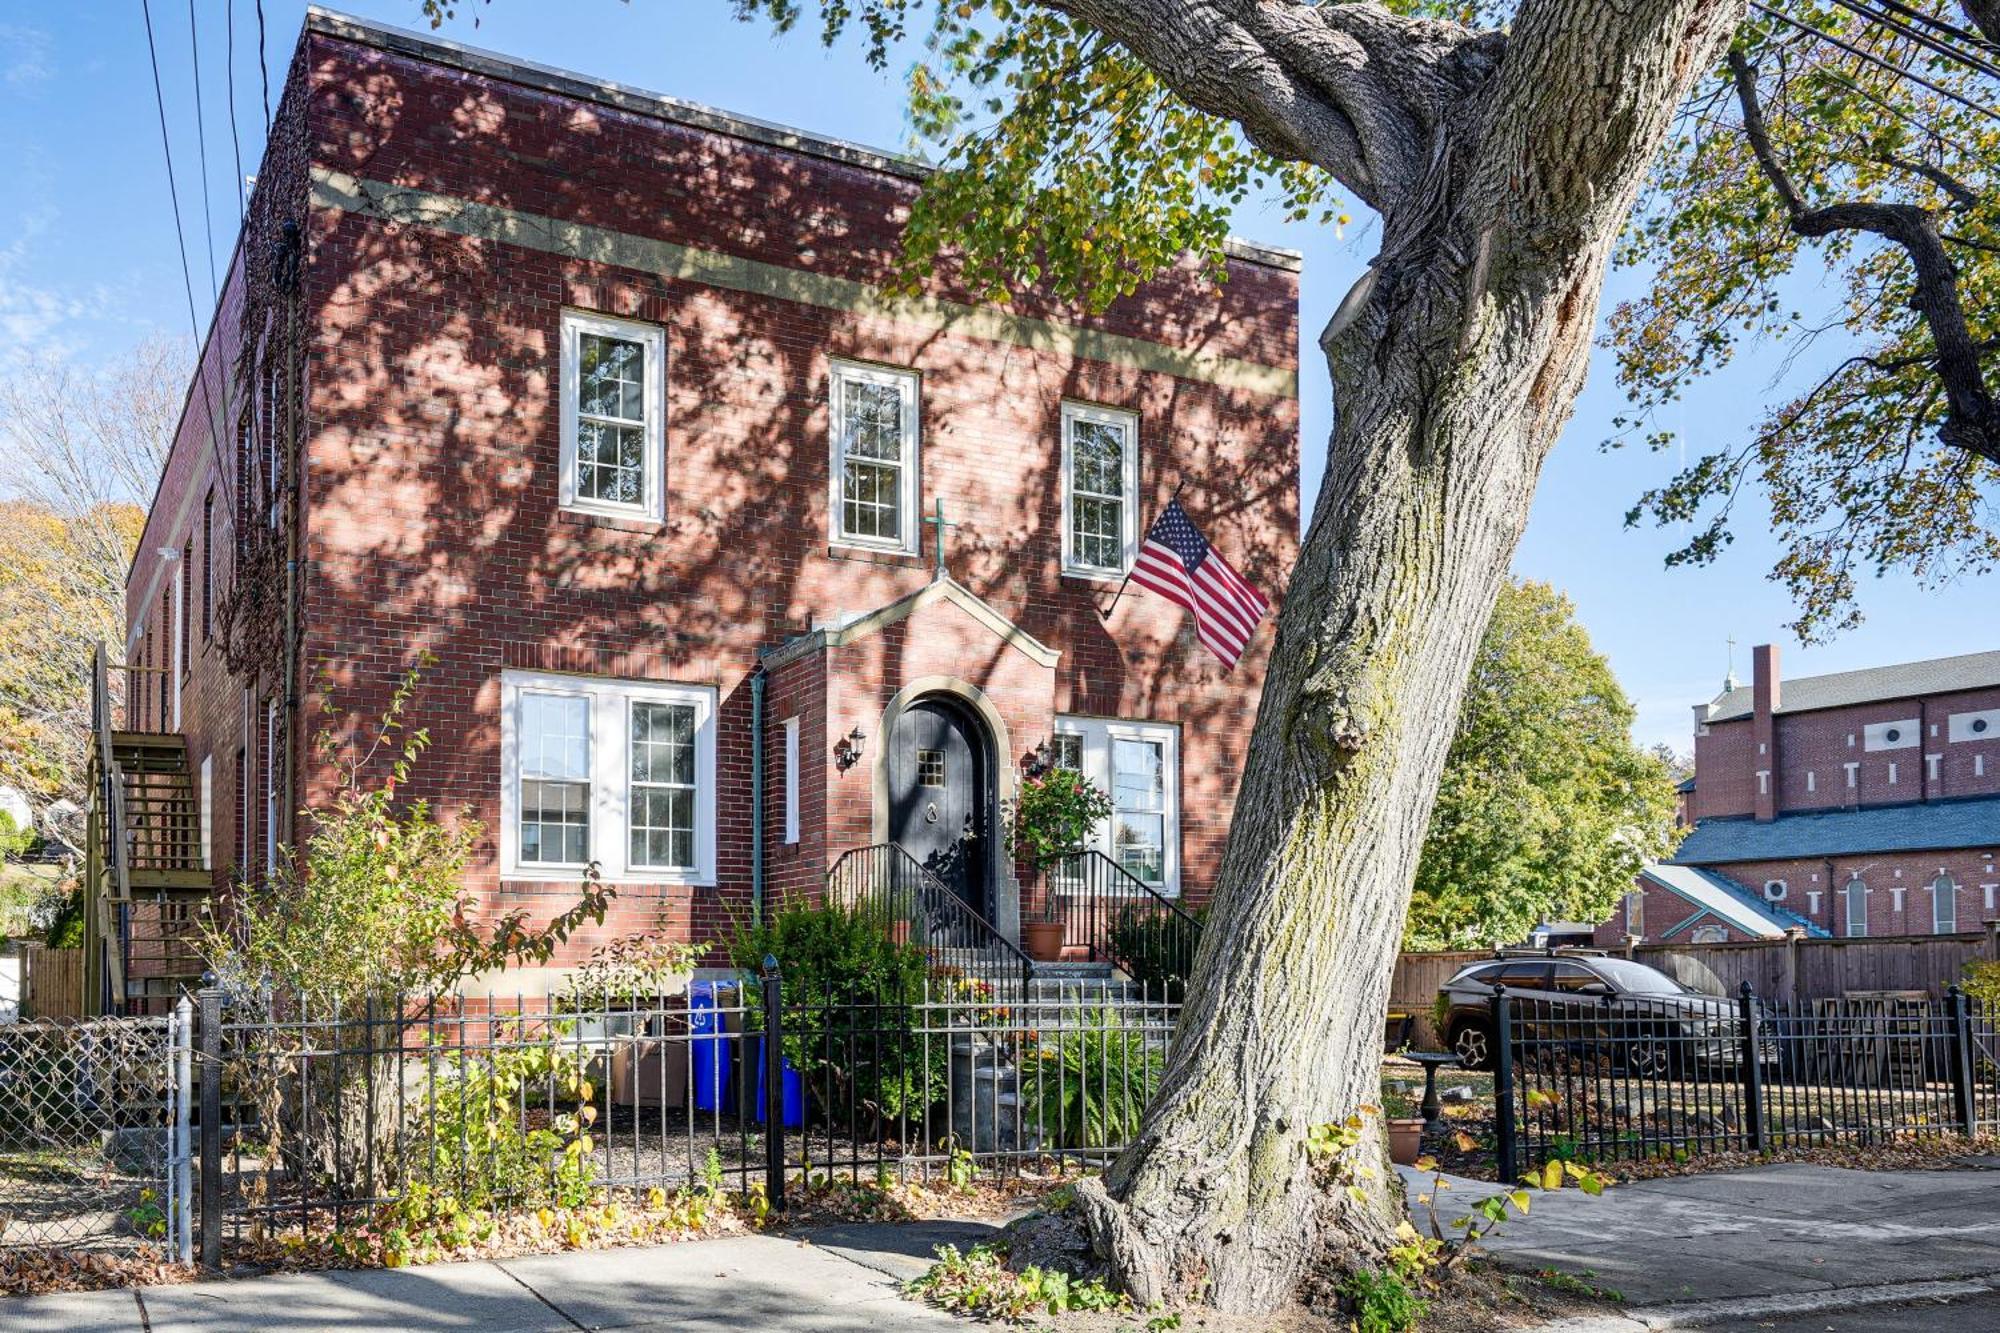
[
  {"x": 1704, "y": 1251},
  {"x": 840, "y": 1279}
]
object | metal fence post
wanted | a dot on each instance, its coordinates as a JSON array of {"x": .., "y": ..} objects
[
  {"x": 774, "y": 1085},
  {"x": 1505, "y": 1147},
  {"x": 209, "y": 1031},
  {"x": 180, "y": 1216},
  {"x": 1753, "y": 1067},
  {"x": 1961, "y": 1060}
]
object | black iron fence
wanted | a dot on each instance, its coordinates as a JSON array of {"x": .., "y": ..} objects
[
  {"x": 1110, "y": 915},
  {"x": 1597, "y": 1079},
  {"x": 310, "y": 1121}
]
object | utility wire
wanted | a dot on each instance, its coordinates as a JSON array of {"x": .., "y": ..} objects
[
  {"x": 201, "y": 156},
  {"x": 1953, "y": 53},
  {"x": 229, "y": 66},
  {"x": 1875, "y": 60},
  {"x": 180, "y": 238},
  {"x": 264, "y": 72},
  {"x": 1933, "y": 21}
]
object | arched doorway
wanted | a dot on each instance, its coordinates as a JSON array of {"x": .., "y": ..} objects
[{"x": 941, "y": 795}]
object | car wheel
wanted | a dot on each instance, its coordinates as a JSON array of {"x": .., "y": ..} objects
[
  {"x": 1473, "y": 1045},
  {"x": 1649, "y": 1059}
]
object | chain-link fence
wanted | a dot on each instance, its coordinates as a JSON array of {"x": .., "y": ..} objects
[{"x": 90, "y": 1158}]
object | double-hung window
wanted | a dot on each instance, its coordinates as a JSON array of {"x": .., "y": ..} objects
[
  {"x": 874, "y": 468},
  {"x": 621, "y": 773},
  {"x": 1100, "y": 475},
  {"x": 613, "y": 416},
  {"x": 1138, "y": 765}
]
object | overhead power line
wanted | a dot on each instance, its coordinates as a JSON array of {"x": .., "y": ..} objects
[
  {"x": 1949, "y": 52},
  {"x": 1876, "y": 60}
]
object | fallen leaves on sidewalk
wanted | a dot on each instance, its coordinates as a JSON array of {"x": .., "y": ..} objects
[{"x": 40, "y": 1271}]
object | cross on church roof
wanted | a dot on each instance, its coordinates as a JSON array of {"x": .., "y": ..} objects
[{"x": 937, "y": 521}]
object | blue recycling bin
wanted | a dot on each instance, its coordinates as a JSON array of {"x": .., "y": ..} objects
[
  {"x": 794, "y": 1090},
  {"x": 713, "y": 1048}
]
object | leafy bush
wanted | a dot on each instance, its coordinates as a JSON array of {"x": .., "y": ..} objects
[
  {"x": 14, "y": 841},
  {"x": 1089, "y": 1087},
  {"x": 851, "y": 990},
  {"x": 488, "y": 1140},
  {"x": 1055, "y": 812},
  {"x": 1154, "y": 945},
  {"x": 1383, "y": 1302},
  {"x": 980, "y": 1283},
  {"x": 61, "y": 911}
]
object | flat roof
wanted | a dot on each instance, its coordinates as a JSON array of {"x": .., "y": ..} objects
[{"x": 645, "y": 102}]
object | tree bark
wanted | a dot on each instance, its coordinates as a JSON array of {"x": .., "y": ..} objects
[{"x": 1454, "y": 369}]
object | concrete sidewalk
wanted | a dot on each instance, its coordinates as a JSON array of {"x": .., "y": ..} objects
[
  {"x": 1685, "y": 1252},
  {"x": 841, "y": 1279}
]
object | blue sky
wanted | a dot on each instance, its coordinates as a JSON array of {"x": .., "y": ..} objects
[{"x": 89, "y": 264}]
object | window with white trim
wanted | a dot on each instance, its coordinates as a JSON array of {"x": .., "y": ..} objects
[
  {"x": 617, "y": 772},
  {"x": 791, "y": 779},
  {"x": 1857, "y": 908},
  {"x": 1138, "y": 765},
  {"x": 873, "y": 411},
  {"x": 1100, "y": 475},
  {"x": 207, "y": 811},
  {"x": 270, "y": 784},
  {"x": 613, "y": 416},
  {"x": 1944, "y": 905}
]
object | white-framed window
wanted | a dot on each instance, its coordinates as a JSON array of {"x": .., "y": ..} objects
[
  {"x": 1100, "y": 490},
  {"x": 270, "y": 783},
  {"x": 791, "y": 779},
  {"x": 1857, "y": 908},
  {"x": 614, "y": 407},
  {"x": 1138, "y": 765},
  {"x": 873, "y": 413},
  {"x": 176, "y": 653},
  {"x": 1944, "y": 905},
  {"x": 207, "y": 811},
  {"x": 613, "y": 771}
]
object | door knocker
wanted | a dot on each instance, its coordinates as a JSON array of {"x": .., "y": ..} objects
[{"x": 931, "y": 813}]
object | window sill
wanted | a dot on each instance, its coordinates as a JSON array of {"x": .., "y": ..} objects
[
  {"x": 875, "y": 555},
  {"x": 558, "y": 878},
  {"x": 591, "y": 518},
  {"x": 1095, "y": 577}
]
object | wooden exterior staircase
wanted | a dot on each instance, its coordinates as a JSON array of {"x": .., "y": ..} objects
[{"x": 145, "y": 880}]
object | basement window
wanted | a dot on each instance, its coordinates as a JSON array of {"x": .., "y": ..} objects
[{"x": 613, "y": 416}]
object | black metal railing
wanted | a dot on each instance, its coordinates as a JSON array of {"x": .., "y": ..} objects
[
  {"x": 1110, "y": 915},
  {"x": 313, "y": 1121},
  {"x": 915, "y": 904},
  {"x": 1677, "y": 1077}
]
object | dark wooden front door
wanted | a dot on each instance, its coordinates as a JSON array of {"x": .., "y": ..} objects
[{"x": 938, "y": 795}]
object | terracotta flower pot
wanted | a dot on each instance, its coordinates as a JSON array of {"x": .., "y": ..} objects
[
  {"x": 1406, "y": 1140},
  {"x": 1042, "y": 939}
]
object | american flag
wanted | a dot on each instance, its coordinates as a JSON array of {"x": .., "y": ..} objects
[{"x": 1178, "y": 563}]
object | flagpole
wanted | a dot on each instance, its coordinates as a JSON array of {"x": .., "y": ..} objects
[{"x": 1104, "y": 613}]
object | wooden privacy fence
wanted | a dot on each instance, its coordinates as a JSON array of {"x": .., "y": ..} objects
[
  {"x": 51, "y": 982},
  {"x": 1790, "y": 971}
]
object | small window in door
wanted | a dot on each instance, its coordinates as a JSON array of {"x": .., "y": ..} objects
[{"x": 930, "y": 768}]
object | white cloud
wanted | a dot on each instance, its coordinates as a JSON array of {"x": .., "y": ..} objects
[{"x": 27, "y": 57}]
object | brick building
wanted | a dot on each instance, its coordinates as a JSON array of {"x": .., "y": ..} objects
[
  {"x": 1859, "y": 803},
  {"x": 597, "y": 397}
]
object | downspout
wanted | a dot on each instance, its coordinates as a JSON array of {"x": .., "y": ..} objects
[{"x": 757, "y": 796}]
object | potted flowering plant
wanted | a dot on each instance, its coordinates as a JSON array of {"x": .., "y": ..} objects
[{"x": 1054, "y": 813}]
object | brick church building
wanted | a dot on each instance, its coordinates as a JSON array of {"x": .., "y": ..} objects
[
  {"x": 1860, "y": 803},
  {"x": 729, "y": 561}
]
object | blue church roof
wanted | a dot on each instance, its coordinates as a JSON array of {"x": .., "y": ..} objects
[{"x": 1938, "y": 826}]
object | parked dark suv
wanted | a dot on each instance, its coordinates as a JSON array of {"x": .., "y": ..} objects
[{"x": 1638, "y": 1017}]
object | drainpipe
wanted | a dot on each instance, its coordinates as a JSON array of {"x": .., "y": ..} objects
[{"x": 757, "y": 796}]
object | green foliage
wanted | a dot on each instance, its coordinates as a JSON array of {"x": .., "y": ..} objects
[
  {"x": 1155, "y": 946},
  {"x": 979, "y": 1283},
  {"x": 639, "y": 967},
  {"x": 1088, "y": 1087},
  {"x": 376, "y": 905},
  {"x": 1982, "y": 981},
  {"x": 14, "y": 841},
  {"x": 483, "y": 1147},
  {"x": 851, "y": 988},
  {"x": 1055, "y": 812},
  {"x": 1383, "y": 1302},
  {"x": 1857, "y": 476},
  {"x": 1546, "y": 809}
]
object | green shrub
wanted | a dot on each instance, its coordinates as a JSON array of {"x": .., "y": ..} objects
[
  {"x": 62, "y": 908},
  {"x": 1383, "y": 1302},
  {"x": 1154, "y": 945},
  {"x": 14, "y": 841},
  {"x": 1089, "y": 1087},
  {"x": 488, "y": 1137},
  {"x": 1055, "y": 812},
  {"x": 852, "y": 1025}
]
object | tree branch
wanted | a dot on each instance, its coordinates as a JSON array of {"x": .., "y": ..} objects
[
  {"x": 1350, "y": 88},
  {"x": 1972, "y": 411}
]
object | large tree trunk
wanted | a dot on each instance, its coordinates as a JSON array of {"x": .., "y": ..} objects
[{"x": 1453, "y": 374}]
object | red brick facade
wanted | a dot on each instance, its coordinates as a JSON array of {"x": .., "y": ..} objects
[{"x": 430, "y": 488}]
